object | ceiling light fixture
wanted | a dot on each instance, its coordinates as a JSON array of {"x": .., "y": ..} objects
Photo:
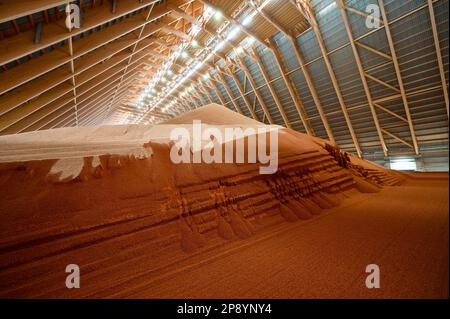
[
  {"x": 218, "y": 15},
  {"x": 219, "y": 46},
  {"x": 195, "y": 29},
  {"x": 248, "y": 19},
  {"x": 233, "y": 32},
  {"x": 209, "y": 11}
]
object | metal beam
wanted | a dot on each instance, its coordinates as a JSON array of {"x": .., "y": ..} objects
[
  {"x": 309, "y": 15},
  {"x": 362, "y": 76},
  {"x": 244, "y": 96},
  {"x": 396, "y": 138},
  {"x": 218, "y": 93},
  {"x": 294, "y": 96},
  {"x": 271, "y": 88},
  {"x": 205, "y": 88},
  {"x": 334, "y": 81},
  {"x": 230, "y": 94},
  {"x": 375, "y": 79},
  {"x": 292, "y": 92},
  {"x": 236, "y": 22},
  {"x": 141, "y": 31},
  {"x": 438, "y": 54},
  {"x": 365, "y": 46},
  {"x": 364, "y": 14},
  {"x": 244, "y": 67}
]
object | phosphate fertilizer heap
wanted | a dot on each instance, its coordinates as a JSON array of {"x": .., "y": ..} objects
[{"x": 110, "y": 200}]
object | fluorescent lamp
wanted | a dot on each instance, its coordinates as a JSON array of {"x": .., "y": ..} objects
[
  {"x": 195, "y": 29},
  {"x": 233, "y": 32},
  {"x": 219, "y": 45},
  {"x": 218, "y": 15},
  {"x": 209, "y": 11},
  {"x": 327, "y": 9},
  {"x": 248, "y": 19},
  {"x": 198, "y": 66}
]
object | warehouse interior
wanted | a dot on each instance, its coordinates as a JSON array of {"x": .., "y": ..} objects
[
  {"x": 375, "y": 85},
  {"x": 253, "y": 149}
]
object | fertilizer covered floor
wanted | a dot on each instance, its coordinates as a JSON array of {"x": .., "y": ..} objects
[
  {"x": 110, "y": 200},
  {"x": 404, "y": 230}
]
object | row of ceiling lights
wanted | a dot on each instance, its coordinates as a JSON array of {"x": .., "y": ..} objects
[
  {"x": 218, "y": 15},
  {"x": 170, "y": 81}
]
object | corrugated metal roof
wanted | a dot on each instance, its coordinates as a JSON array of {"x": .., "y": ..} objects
[{"x": 111, "y": 73}]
